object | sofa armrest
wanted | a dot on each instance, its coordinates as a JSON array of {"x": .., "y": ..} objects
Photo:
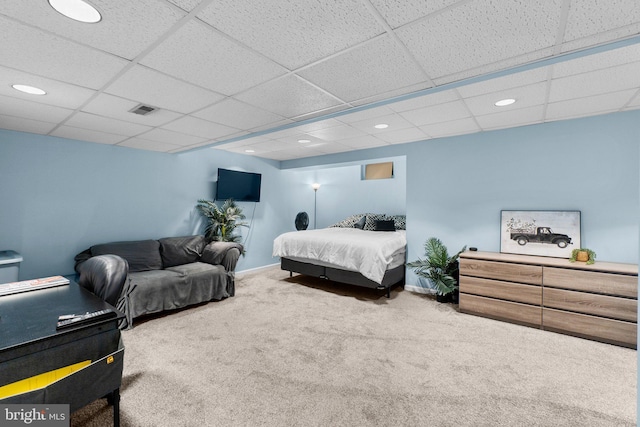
[{"x": 222, "y": 253}]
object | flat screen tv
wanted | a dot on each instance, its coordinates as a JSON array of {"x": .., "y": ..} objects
[{"x": 239, "y": 186}]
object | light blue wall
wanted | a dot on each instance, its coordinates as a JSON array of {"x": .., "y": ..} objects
[
  {"x": 590, "y": 165},
  {"x": 343, "y": 192},
  {"x": 61, "y": 196},
  {"x": 456, "y": 187}
]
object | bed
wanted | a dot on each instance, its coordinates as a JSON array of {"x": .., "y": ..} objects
[{"x": 354, "y": 251}]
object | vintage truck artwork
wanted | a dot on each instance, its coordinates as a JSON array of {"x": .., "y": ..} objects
[
  {"x": 540, "y": 235},
  {"x": 544, "y": 233}
]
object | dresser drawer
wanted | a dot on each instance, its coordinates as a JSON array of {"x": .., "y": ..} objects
[
  {"x": 522, "y": 273},
  {"x": 501, "y": 310},
  {"x": 591, "y": 281},
  {"x": 598, "y": 328},
  {"x": 599, "y": 305},
  {"x": 529, "y": 294}
]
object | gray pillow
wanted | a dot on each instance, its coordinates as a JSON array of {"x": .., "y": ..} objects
[
  {"x": 181, "y": 250},
  {"x": 142, "y": 255}
]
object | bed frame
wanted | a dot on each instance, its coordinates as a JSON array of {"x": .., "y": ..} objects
[{"x": 391, "y": 277}]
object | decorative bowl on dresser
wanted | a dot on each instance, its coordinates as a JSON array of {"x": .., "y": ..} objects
[{"x": 597, "y": 301}]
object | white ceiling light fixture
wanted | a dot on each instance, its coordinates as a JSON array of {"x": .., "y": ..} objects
[
  {"x": 381, "y": 126},
  {"x": 77, "y": 10},
  {"x": 304, "y": 141},
  {"x": 505, "y": 102},
  {"x": 249, "y": 151},
  {"x": 31, "y": 90}
]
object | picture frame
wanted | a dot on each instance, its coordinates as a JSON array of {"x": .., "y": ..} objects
[{"x": 542, "y": 233}]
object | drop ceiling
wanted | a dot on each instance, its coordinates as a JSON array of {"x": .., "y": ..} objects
[{"x": 256, "y": 77}]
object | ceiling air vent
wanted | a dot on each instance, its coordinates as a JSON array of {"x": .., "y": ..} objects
[{"x": 142, "y": 109}]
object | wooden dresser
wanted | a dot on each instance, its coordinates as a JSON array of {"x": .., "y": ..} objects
[{"x": 597, "y": 301}]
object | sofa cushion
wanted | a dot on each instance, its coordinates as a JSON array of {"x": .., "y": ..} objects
[
  {"x": 181, "y": 250},
  {"x": 142, "y": 255}
]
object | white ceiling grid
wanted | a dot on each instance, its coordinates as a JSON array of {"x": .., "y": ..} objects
[{"x": 260, "y": 76}]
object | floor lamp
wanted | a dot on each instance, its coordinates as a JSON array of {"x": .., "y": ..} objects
[{"x": 315, "y": 187}]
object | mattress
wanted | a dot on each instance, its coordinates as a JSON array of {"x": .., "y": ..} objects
[{"x": 371, "y": 253}]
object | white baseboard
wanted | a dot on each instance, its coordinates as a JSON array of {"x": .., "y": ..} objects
[
  {"x": 263, "y": 267},
  {"x": 419, "y": 289}
]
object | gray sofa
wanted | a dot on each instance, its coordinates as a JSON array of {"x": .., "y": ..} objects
[{"x": 169, "y": 273}]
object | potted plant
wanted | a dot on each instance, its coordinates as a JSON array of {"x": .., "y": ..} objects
[
  {"x": 221, "y": 220},
  {"x": 583, "y": 255},
  {"x": 439, "y": 268}
]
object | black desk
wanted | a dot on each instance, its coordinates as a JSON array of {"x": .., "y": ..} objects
[{"x": 31, "y": 345}]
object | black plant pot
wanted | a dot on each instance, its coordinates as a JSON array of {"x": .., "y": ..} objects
[
  {"x": 443, "y": 298},
  {"x": 455, "y": 295}
]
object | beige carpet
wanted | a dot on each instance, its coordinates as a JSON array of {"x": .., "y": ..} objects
[{"x": 306, "y": 352}]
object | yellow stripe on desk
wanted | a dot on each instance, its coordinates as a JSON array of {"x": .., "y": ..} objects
[{"x": 41, "y": 380}]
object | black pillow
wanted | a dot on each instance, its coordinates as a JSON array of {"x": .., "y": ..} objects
[{"x": 385, "y": 225}]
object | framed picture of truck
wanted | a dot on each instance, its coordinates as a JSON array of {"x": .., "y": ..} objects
[{"x": 545, "y": 233}]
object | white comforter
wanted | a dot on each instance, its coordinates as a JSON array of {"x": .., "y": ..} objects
[{"x": 368, "y": 252}]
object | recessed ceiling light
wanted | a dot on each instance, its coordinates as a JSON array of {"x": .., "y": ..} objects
[
  {"x": 381, "y": 126},
  {"x": 505, "y": 102},
  {"x": 249, "y": 151},
  {"x": 78, "y": 10},
  {"x": 29, "y": 89},
  {"x": 304, "y": 141}
]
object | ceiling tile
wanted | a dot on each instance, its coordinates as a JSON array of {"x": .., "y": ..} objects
[
  {"x": 400, "y": 12},
  {"x": 145, "y": 144},
  {"x": 25, "y": 125},
  {"x": 126, "y": 28},
  {"x": 147, "y": 86},
  {"x": 119, "y": 108},
  {"x": 199, "y": 127},
  {"x": 58, "y": 94},
  {"x": 105, "y": 124},
  {"x": 612, "y": 14},
  {"x": 598, "y": 61},
  {"x": 87, "y": 135},
  {"x": 452, "y": 128},
  {"x": 186, "y": 4},
  {"x": 386, "y": 96},
  {"x": 366, "y": 114},
  {"x": 437, "y": 113},
  {"x": 424, "y": 101},
  {"x": 289, "y": 96},
  {"x": 24, "y": 108},
  {"x": 588, "y": 106},
  {"x": 403, "y": 135},
  {"x": 362, "y": 142},
  {"x": 509, "y": 81},
  {"x": 394, "y": 121},
  {"x": 378, "y": 66},
  {"x": 318, "y": 125},
  {"x": 635, "y": 102},
  {"x": 309, "y": 30},
  {"x": 170, "y": 137},
  {"x": 512, "y": 118},
  {"x": 337, "y": 132},
  {"x": 238, "y": 114},
  {"x": 481, "y": 32},
  {"x": 37, "y": 52},
  {"x": 596, "y": 82},
  {"x": 525, "y": 96},
  {"x": 201, "y": 56}
]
